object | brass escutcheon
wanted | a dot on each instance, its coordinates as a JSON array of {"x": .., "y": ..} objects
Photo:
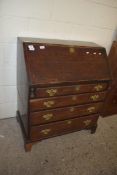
[
  {"x": 45, "y": 131},
  {"x": 94, "y": 97},
  {"x": 91, "y": 109},
  {"x": 48, "y": 104},
  {"x": 47, "y": 116},
  {"x": 72, "y": 50},
  {"x": 72, "y": 109},
  {"x": 69, "y": 122},
  {"x": 51, "y": 92},
  {"x": 74, "y": 98},
  {"x": 77, "y": 88},
  {"x": 99, "y": 87},
  {"x": 87, "y": 122}
]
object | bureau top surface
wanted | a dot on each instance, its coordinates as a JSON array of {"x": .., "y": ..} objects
[
  {"x": 59, "y": 42},
  {"x": 57, "y": 63}
]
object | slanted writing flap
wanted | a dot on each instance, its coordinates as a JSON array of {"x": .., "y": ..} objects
[{"x": 56, "y": 64}]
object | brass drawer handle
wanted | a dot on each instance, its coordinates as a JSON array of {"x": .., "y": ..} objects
[
  {"x": 91, "y": 109},
  {"x": 48, "y": 104},
  {"x": 87, "y": 122},
  {"x": 45, "y": 131},
  {"x": 72, "y": 109},
  {"x": 95, "y": 97},
  {"x": 98, "y": 87},
  {"x": 47, "y": 116},
  {"x": 51, "y": 92},
  {"x": 69, "y": 122}
]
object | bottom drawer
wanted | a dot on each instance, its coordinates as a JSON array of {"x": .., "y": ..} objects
[{"x": 62, "y": 127}]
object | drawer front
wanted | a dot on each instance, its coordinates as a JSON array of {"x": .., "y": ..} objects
[
  {"x": 47, "y": 116},
  {"x": 41, "y": 104},
  {"x": 67, "y": 90},
  {"x": 62, "y": 127}
]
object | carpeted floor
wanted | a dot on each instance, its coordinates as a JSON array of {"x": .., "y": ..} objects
[{"x": 79, "y": 153}]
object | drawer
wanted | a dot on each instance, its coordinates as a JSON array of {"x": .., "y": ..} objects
[
  {"x": 67, "y": 90},
  {"x": 55, "y": 102},
  {"x": 47, "y": 116},
  {"x": 62, "y": 127}
]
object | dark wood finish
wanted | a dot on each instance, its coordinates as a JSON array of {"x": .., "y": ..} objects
[
  {"x": 22, "y": 88},
  {"x": 62, "y": 127},
  {"x": 46, "y": 116},
  {"x": 93, "y": 129},
  {"x": 41, "y": 104},
  {"x": 69, "y": 90},
  {"x": 62, "y": 86},
  {"x": 28, "y": 147},
  {"x": 74, "y": 68},
  {"x": 110, "y": 106}
]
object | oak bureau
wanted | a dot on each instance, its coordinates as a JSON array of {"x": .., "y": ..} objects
[{"x": 62, "y": 87}]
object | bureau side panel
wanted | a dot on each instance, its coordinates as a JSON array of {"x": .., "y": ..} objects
[{"x": 22, "y": 88}]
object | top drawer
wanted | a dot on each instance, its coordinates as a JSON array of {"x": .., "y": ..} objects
[{"x": 67, "y": 90}]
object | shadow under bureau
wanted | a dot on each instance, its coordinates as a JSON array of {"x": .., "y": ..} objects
[{"x": 62, "y": 87}]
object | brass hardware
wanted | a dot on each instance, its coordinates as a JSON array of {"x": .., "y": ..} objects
[
  {"x": 51, "y": 92},
  {"x": 77, "y": 88},
  {"x": 48, "y": 104},
  {"x": 87, "y": 122},
  {"x": 69, "y": 122},
  {"x": 91, "y": 109},
  {"x": 71, "y": 49},
  {"x": 47, "y": 116},
  {"x": 72, "y": 109},
  {"x": 98, "y": 87},
  {"x": 74, "y": 98},
  {"x": 45, "y": 131},
  {"x": 94, "y": 97}
]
